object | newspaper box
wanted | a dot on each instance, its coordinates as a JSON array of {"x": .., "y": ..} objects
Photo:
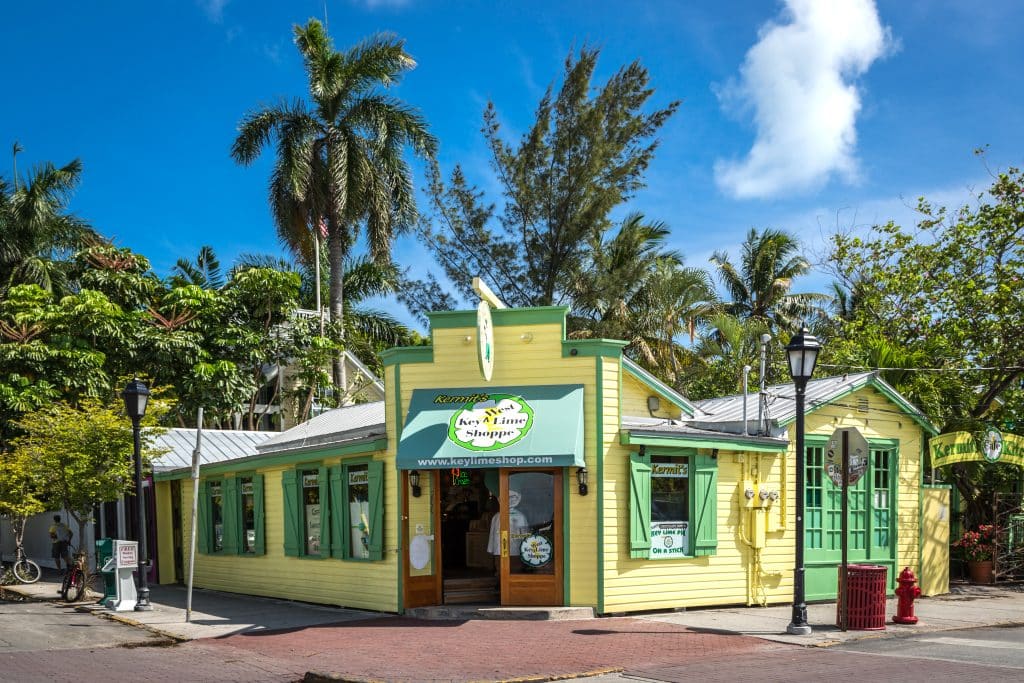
[{"x": 123, "y": 561}]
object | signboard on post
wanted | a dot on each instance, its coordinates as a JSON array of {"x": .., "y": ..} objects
[{"x": 858, "y": 456}]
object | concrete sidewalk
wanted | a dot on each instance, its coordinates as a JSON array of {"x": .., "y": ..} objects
[{"x": 216, "y": 614}]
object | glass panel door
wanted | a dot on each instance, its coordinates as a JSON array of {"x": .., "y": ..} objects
[{"x": 531, "y": 537}]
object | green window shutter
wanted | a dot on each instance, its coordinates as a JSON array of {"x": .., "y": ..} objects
[
  {"x": 375, "y": 476},
  {"x": 231, "y": 504},
  {"x": 257, "y": 509},
  {"x": 639, "y": 507},
  {"x": 325, "y": 514},
  {"x": 705, "y": 505},
  {"x": 290, "y": 489},
  {"x": 203, "y": 523},
  {"x": 338, "y": 544}
]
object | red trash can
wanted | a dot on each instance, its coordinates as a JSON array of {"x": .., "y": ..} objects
[{"x": 865, "y": 607}]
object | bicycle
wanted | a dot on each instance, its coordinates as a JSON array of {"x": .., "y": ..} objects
[
  {"x": 25, "y": 570},
  {"x": 77, "y": 579}
]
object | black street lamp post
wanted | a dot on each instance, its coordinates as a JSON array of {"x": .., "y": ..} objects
[
  {"x": 802, "y": 351},
  {"x": 135, "y": 396}
]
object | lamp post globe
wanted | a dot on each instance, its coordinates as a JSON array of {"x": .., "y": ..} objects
[
  {"x": 802, "y": 353},
  {"x": 136, "y": 397}
]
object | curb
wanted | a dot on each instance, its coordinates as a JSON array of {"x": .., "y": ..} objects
[
  {"x": 321, "y": 677},
  {"x": 114, "y": 616}
]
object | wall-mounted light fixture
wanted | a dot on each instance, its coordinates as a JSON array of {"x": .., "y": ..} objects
[
  {"x": 468, "y": 339},
  {"x": 581, "y": 480},
  {"x": 526, "y": 337},
  {"x": 414, "y": 483}
]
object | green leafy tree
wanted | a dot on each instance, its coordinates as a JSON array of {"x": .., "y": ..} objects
[
  {"x": 945, "y": 296},
  {"x": 584, "y": 155},
  {"x": 340, "y": 156},
  {"x": 727, "y": 345},
  {"x": 82, "y": 455},
  {"x": 20, "y": 486}
]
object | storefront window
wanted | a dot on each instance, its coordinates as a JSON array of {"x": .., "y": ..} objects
[
  {"x": 248, "y": 515},
  {"x": 217, "y": 515},
  {"x": 311, "y": 510},
  {"x": 359, "y": 511},
  {"x": 670, "y": 507},
  {"x": 531, "y": 514}
]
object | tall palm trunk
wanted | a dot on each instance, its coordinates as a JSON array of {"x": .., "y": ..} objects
[{"x": 336, "y": 247}]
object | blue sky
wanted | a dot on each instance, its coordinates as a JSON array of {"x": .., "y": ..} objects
[{"x": 802, "y": 115}]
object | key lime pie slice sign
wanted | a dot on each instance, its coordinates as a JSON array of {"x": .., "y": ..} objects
[
  {"x": 485, "y": 339},
  {"x": 500, "y": 421}
]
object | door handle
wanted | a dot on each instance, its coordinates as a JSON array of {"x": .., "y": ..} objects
[{"x": 504, "y": 544}]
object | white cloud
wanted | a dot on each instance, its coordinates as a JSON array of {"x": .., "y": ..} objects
[
  {"x": 797, "y": 80},
  {"x": 214, "y": 9}
]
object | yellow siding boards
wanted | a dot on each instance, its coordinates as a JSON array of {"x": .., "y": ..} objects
[
  {"x": 331, "y": 581},
  {"x": 634, "y": 400},
  {"x": 165, "y": 532}
]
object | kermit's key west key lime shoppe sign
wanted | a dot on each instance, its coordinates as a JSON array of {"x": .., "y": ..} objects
[{"x": 511, "y": 465}]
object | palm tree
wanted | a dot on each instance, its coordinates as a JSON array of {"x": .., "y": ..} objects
[
  {"x": 608, "y": 296},
  {"x": 35, "y": 228},
  {"x": 340, "y": 163},
  {"x": 681, "y": 301},
  {"x": 204, "y": 271},
  {"x": 759, "y": 288},
  {"x": 729, "y": 344}
]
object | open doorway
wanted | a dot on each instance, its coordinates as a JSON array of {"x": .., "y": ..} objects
[{"x": 469, "y": 504}]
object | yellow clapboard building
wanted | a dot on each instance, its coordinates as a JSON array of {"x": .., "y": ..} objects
[{"x": 509, "y": 465}]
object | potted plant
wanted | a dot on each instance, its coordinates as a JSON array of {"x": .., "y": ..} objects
[{"x": 978, "y": 548}]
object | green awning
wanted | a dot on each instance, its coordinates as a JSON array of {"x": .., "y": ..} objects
[{"x": 493, "y": 427}]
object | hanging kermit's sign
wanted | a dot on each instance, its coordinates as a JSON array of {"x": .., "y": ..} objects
[{"x": 990, "y": 445}]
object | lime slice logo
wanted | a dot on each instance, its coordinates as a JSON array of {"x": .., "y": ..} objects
[{"x": 490, "y": 425}]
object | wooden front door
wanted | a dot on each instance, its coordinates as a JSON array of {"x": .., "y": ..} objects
[
  {"x": 531, "y": 537},
  {"x": 421, "y": 564}
]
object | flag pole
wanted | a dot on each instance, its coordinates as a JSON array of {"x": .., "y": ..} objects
[{"x": 316, "y": 258}]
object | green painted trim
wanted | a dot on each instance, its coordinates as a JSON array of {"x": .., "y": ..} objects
[
  {"x": 883, "y": 443},
  {"x": 593, "y": 347},
  {"x": 262, "y": 462},
  {"x": 656, "y": 385},
  {"x": 501, "y": 317},
  {"x": 920, "y": 508},
  {"x": 884, "y": 389},
  {"x": 599, "y": 455},
  {"x": 627, "y": 438},
  {"x": 566, "y": 544},
  {"x": 407, "y": 354},
  {"x": 400, "y": 506}
]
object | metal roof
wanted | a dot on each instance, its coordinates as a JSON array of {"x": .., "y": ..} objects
[
  {"x": 362, "y": 421},
  {"x": 218, "y": 445},
  {"x": 641, "y": 426},
  {"x": 726, "y": 413}
]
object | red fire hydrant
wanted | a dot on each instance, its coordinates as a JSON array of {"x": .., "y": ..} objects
[{"x": 906, "y": 592}]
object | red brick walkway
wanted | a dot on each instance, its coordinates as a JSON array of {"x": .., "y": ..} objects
[{"x": 401, "y": 649}]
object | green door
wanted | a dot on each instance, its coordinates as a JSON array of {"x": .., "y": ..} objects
[{"x": 871, "y": 537}]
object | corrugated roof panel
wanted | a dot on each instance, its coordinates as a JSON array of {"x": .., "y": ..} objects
[
  {"x": 218, "y": 445},
  {"x": 332, "y": 426}
]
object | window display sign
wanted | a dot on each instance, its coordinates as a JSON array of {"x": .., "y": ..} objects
[
  {"x": 670, "y": 539},
  {"x": 535, "y": 551}
]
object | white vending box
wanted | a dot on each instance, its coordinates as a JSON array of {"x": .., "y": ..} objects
[{"x": 125, "y": 559}]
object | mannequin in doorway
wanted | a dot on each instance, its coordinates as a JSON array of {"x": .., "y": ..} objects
[{"x": 518, "y": 527}]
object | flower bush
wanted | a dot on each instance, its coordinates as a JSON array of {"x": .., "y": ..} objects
[{"x": 978, "y": 545}]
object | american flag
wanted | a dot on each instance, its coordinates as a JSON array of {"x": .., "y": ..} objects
[{"x": 323, "y": 227}]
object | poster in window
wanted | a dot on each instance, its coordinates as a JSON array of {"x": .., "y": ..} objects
[
  {"x": 670, "y": 539},
  {"x": 359, "y": 511}
]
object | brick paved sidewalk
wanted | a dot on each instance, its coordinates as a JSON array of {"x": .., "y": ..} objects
[{"x": 402, "y": 649}]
